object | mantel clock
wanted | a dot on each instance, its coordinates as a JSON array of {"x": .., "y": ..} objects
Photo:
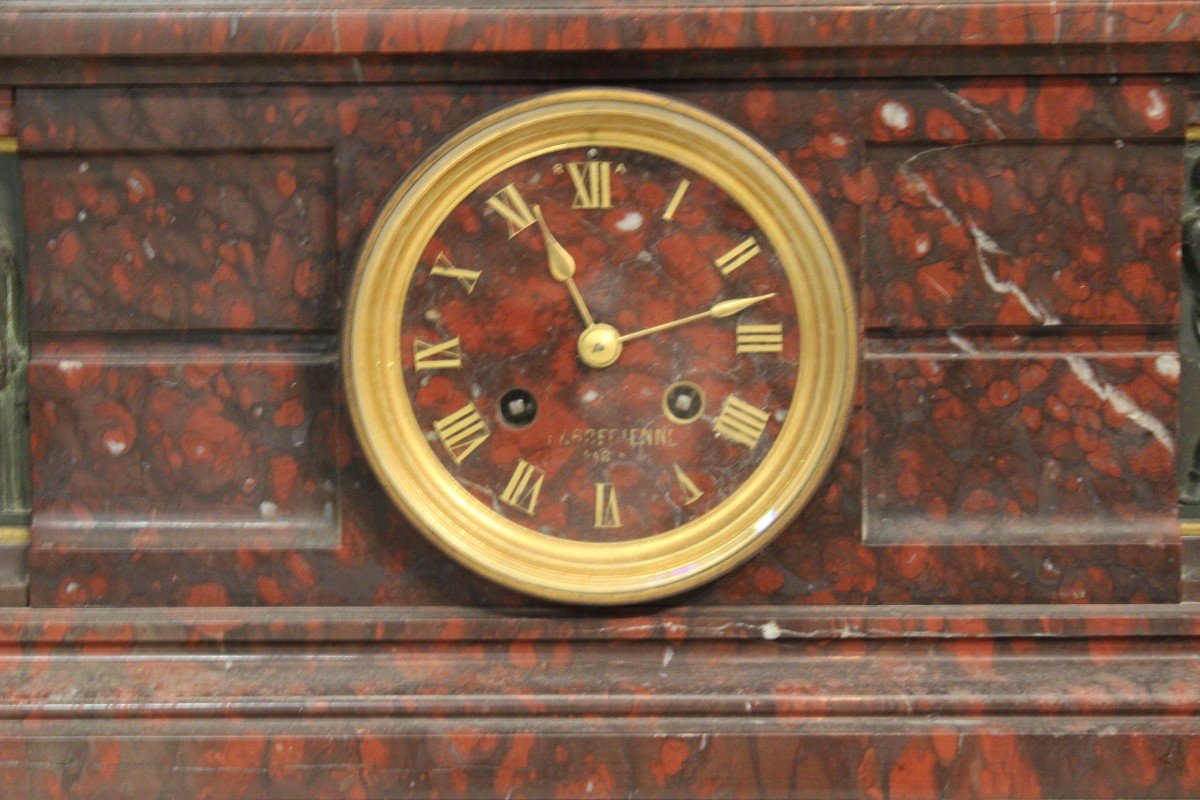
[
  {"x": 601, "y": 346},
  {"x": 600, "y": 399}
]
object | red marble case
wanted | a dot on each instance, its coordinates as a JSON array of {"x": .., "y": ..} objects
[
  {"x": 983, "y": 599},
  {"x": 1033, "y": 174}
]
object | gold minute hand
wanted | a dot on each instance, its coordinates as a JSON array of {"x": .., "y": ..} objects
[
  {"x": 725, "y": 308},
  {"x": 562, "y": 266}
]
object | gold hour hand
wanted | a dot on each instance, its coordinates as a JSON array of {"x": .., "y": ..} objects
[
  {"x": 725, "y": 308},
  {"x": 562, "y": 266}
]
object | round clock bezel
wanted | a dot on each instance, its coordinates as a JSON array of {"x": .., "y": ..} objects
[{"x": 601, "y": 573}]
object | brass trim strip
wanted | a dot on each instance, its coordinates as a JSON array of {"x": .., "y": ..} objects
[
  {"x": 8, "y": 144},
  {"x": 14, "y": 535},
  {"x": 1192, "y": 134},
  {"x": 1189, "y": 528}
]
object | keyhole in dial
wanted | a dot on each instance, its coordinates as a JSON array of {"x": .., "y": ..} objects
[
  {"x": 518, "y": 407},
  {"x": 683, "y": 402}
]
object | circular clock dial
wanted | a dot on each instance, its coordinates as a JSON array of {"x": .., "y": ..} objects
[
  {"x": 559, "y": 405},
  {"x": 600, "y": 346}
]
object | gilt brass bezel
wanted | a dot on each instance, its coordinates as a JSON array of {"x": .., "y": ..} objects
[{"x": 597, "y": 572}]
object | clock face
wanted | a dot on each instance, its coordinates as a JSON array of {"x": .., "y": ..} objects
[{"x": 600, "y": 346}]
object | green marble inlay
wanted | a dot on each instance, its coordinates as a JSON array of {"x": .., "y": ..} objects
[{"x": 14, "y": 353}]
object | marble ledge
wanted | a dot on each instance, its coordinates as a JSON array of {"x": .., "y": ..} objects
[
  {"x": 38, "y": 29},
  {"x": 145, "y": 626}
]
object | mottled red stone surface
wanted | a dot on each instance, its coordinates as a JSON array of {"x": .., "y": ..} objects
[
  {"x": 1007, "y": 441},
  {"x": 229, "y": 241},
  {"x": 374, "y": 137},
  {"x": 375, "y": 27},
  {"x": 232, "y": 626},
  {"x": 45, "y": 44},
  {"x": 1021, "y": 234},
  {"x": 965, "y": 228},
  {"x": 185, "y": 448},
  {"x": 1013, "y": 758},
  {"x": 831, "y": 703}
]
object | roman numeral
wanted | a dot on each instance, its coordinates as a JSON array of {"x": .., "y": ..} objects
[
  {"x": 436, "y": 355},
  {"x": 608, "y": 513},
  {"x": 691, "y": 492},
  {"x": 593, "y": 184},
  {"x": 509, "y": 204},
  {"x": 741, "y": 422},
  {"x": 759, "y": 338},
  {"x": 462, "y": 432},
  {"x": 523, "y": 487},
  {"x": 672, "y": 206},
  {"x": 737, "y": 256},
  {"x": 442, "y": 268}
]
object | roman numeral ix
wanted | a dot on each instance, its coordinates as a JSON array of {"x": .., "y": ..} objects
[{"x": 436, "y": 355}]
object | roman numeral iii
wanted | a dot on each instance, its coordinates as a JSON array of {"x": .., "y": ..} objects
[
  {"x": 436, "y": 355},
  {"x": 608, "y": 513},
  {"x": 509, "y": 204},
  {"x": 738, "y": 255},
  {"x": 442, "y": 268},
  {"x": 462, "y": 432},
  {"x": 759, "y": 338},
  {"x": 523, "y": 487},
  {"x": 741, "y": 422},
  {"x": 593, "y": 184}
]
